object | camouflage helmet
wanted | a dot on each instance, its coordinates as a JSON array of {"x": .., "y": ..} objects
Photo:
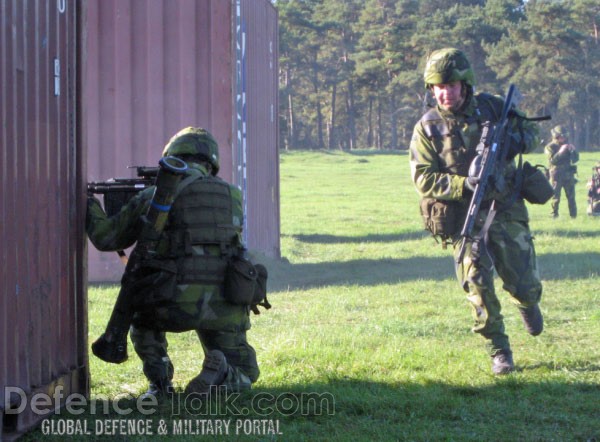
[
  {"x": 194, "y": 141},
  {"x": 557, "y": 131},
  {"x": 447, "y": 66}
]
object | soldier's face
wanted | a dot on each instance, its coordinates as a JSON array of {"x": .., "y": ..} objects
[{"x": 449, "y": 96}]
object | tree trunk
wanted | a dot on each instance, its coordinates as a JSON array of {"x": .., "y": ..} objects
[
  {"x": 379, "y": 125},
  {"x": 350, "y": 112},
  {"x": 291, "y": 138},
  {"x": 370, "y": 123},
  {"x": 315, "y": 82},
  {"x": 394, "y": 124},
  {"x": 332, "y": 134}
]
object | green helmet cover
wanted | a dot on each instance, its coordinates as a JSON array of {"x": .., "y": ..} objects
[
  {"x": 559, "y": 131},
  {"x": 446, "y": 66},
  {"x": 194, "y": 141}
]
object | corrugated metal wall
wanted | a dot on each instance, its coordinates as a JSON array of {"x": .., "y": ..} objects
[
  {"x": 256, "y": 37},
  {"x": 153, "y": 67},
  {"x": 43, "y": 323}
]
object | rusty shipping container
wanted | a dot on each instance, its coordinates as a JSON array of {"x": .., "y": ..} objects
[
  {"x": 43, "y": 325},
  {"x": 152, "y": 68}
]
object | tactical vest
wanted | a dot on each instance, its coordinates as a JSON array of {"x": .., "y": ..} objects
[
  {"x": 200, "y": 235},
  {"x": 455, "y": 142},
  {"x": 455, "y": 151}
]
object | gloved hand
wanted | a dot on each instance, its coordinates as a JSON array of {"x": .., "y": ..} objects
[
  {"x": 474, "y": 170},
  {"x": 471, "y": 182}
]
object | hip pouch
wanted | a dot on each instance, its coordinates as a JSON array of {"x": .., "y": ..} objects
[
  {"x": 245, "y": 283},
  {"x": 535, "y": 188},
  {"x": 441, "y": 218},
  {"x": 155, "y": 283}
]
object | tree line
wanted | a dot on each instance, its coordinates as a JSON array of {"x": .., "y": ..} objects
[{"x": 351, "y": 71}]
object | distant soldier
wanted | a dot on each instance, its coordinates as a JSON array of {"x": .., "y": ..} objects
[
  {"x": 562, "y": 157},
  {"x": 594, "y": 192},
  {"x": 442, "y": 148}
]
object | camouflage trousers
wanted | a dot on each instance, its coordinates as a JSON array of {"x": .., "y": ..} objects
[
  {"x": 509, "y": 250},
  {"x": 568, "y": 185},
  {"x": 151, "y": 346},
  {"x": 218, "y": 324}
]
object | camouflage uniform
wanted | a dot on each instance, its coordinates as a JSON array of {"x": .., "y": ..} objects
[
  {"x": 594, "y": 192},
  {"x": 562, "y": 172},
  {"x": 179, "y": 303},
  {"x": 439, "y": 165}
]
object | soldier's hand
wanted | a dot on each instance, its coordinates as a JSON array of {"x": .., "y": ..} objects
[
  {"x": 474, "y": 171},
  {"x": 471, "y": 182},
  {"x": 93, "y": 201}
]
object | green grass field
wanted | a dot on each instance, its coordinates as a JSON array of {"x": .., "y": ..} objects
[{"x": 369, "y": 335}]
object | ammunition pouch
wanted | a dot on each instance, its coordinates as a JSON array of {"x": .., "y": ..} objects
[
  {"x": 246, "y": 283},
  {"x": 535, "y": 187},
  {"x": 201, "y": 269},
  {"x": 441, "y": 218}
]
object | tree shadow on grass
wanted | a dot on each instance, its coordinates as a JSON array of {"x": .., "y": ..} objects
[
  {"x": 337, "y": 239},
  {"x": 342, "y": 408},
  {"x": 367, "y": 272},
  {"x": 364, "y": 272},
  {"x": 570, "y": 233},
  {"x": 434, "y": 410},
  {"x": 556, "y": 266}
]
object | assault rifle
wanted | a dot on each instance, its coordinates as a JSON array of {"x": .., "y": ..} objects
[
  {"x": 117, "y": 192},
  {"x": 493, "y": 148},
  {"x": 111, "y": 346}
]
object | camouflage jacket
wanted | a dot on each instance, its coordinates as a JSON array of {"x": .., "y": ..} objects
[
  {"x": 560, "y": 161},
  {"x": 439, "y": 163}
]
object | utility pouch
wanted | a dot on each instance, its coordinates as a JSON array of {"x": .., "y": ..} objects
[
  {"x": 535, "y": 188},
  {"x": 246, "y": 283},
  {"x": 155, "y": 283},
  {"x": 441, "y": 218}
]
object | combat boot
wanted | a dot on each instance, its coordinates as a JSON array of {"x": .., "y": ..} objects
[
  {"x": 533, "y": 319},
  {"x": 214, "y": 371},
  {"x": 159, "y": 389},
  {"x": 502, "y": 362}
]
